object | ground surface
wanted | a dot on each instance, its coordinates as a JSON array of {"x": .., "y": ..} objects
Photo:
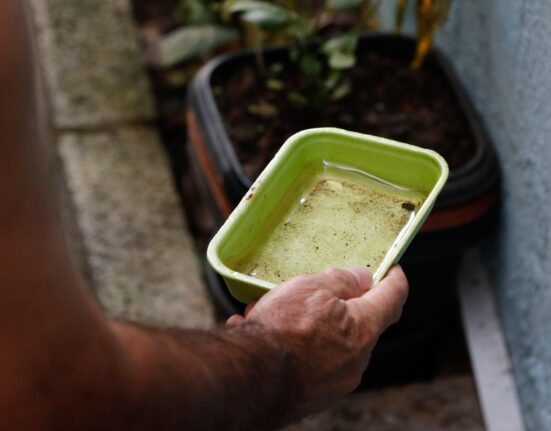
[
  {"x": 446, "y": 404},
  {"x": 119, "y": 200}
]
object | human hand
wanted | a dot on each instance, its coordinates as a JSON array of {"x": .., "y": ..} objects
[{"x": 327, "y": 324}]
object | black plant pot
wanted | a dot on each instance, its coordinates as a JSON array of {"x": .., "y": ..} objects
[
  {"x": 464, "y": 212},
  {"x": 209, "y": 140}
]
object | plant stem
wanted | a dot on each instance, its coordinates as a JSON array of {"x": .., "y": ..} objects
[
  {"x": 426, "y": 27},
  {"x": 255, "y": 38},
  {"x": 400, "y": 15},
  {"x": 430, "y": 15}
]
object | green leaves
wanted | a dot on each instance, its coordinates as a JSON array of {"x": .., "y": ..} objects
[
  {"x": 321, "y": 64},
  {"x": 188, "y": 42},
  {"x": 342, "y": 90},
  {"x": 400, "y": 15},
  {"x": 310, "y": 66},
  {"x": 344, "y": 5},
  {"x": 267, "y": 16},
  {"x": 197, "y": 11},
  {"x": 341, "y": 51}
]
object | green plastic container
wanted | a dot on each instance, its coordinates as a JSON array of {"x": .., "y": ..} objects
[{"x": 306, "y": 154}]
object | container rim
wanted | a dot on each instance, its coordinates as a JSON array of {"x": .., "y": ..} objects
[{"x": 396, "y": 249}]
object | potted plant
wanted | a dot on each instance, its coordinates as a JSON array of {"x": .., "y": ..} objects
[{"x": 242, "y": 106}]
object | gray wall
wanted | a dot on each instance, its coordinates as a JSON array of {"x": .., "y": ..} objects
[{"x": 502, "y": 52}]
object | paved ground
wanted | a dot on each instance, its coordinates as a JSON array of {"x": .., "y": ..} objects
[
  {"x": 446, "y": 404},
  {"x": 122, "y": 215},
  {"x": 119, "y": 202}
]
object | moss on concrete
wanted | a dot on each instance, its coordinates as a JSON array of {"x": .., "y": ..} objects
[
  {"x": 91, "y": 62},
  {"x": 141, "y": 257}
]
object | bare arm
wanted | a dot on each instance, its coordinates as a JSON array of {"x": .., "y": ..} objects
[
  {"x": 65, "y": 365},
  {"x": 302, "y": 346}
]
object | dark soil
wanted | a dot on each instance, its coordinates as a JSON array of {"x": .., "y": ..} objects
[{"x": 388, "y": 99}]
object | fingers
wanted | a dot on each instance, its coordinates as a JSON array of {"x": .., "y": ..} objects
[
  {"x": 348, "y": 283},
  {"x": 363, "y": 276},
  {"x": 342, "y": 283},
  {"x": 384, "y": 302},
  {"x": 249, "y": 307},
  {"x": 234, "y": 320}
]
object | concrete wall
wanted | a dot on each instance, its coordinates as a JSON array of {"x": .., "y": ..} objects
[{"x": 502, "y": 51}]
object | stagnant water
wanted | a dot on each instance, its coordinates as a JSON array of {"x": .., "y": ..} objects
[{"x": 344, "y": 217}]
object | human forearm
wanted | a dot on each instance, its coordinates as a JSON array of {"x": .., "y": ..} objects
[
  {"x": 62, "y": 361},
  {"x": 303, "y": 345},
  {"x": 283, "y": 361},
  {"x": 231, "y": 378},
  {"x": 91, "y": 374}
]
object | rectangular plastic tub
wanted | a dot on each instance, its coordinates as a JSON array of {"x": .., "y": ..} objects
[{"x": 306, "y": 153}]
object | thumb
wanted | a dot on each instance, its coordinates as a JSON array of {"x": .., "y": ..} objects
[{"x": 383, "y": 303}]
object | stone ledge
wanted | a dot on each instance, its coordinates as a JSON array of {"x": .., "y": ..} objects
[
  {"x": 91, "y": 62},
  {"x": 141, "y": 257},
  {"x": 446, "y": 404}
]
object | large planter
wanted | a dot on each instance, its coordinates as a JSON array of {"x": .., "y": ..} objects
[{"x": 464, "y": 212}]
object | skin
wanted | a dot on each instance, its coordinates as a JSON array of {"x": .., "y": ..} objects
[{"x": 65, "y": 365}]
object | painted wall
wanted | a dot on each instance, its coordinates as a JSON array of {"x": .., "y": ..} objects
[{"x": 502, "y": 52}]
